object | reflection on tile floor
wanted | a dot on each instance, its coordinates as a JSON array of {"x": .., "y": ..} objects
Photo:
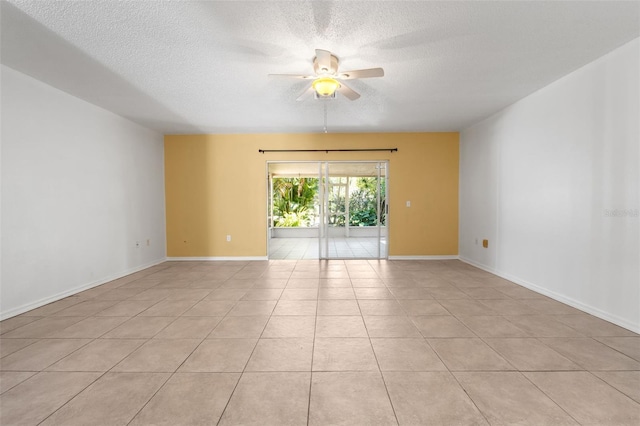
[
  {"x": 338, "y": 248},
  {"x": 315, "y": 342}
]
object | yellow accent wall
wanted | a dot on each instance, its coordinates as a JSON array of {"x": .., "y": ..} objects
[{"x": 216, "y": 186}]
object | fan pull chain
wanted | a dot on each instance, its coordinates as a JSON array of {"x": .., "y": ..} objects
[{"x": 325, "y": 116}]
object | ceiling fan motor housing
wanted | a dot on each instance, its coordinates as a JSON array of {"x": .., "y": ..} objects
[{"x": 321, "y": 71}]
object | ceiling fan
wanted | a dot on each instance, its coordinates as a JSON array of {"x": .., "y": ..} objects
[{"x": 327, "y": 80}]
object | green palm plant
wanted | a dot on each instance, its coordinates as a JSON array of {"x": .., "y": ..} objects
[{"x": 293, "y": 199}]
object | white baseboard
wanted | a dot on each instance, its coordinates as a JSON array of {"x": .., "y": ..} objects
[
  {"x": 45, "y": 301},
  {"x": 260, "y": 258},
  {"x": 437, "y": 257},
  {"x": 557, "y": 296},
  {"x": 479, "y": 265},
  {"x": 216, "y": 258}
]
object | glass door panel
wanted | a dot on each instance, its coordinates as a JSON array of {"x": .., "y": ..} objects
[{"x": 353, "y": 210}]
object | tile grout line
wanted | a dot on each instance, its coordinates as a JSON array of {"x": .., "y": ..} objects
[
  {"x": 456, "y": 379},
  {"x": 71, "y": 398},
  {"x": 549, "y": 397},
  {"x": 170, "y": 376},
  {"x": 152, "y": 396},
  {"x": 384, "y": 382},
  {"x": 248, "y": 359},
  {"x": 611, "y": 347},
  {"x": 608, "y": 384},
  {"x": 313, "y": 348},
  {"x": 484, "y": 416}
]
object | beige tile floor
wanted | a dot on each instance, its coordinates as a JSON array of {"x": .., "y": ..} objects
[{"x": 320, "y": 343}]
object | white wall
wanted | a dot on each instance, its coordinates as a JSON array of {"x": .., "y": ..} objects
[
  {"x": 80, "y": 186},
  {"x": 540, "y": 178}
]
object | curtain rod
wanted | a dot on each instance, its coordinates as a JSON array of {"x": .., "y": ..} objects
[{"x": 262, "y": 151}]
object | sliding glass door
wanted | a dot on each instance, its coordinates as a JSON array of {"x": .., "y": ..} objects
[
  {"x": 353, "y": 210},
  {"x": 327, "y": 210}
]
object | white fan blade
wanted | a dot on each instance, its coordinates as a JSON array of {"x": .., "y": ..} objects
[
  {"x": 348, "y": 92},
  {"x": 323, "y": 59},
  {"x": 368, "y": 73},
  {"x": 305, "y": 93},
  {"x": 302, "y": 77}
]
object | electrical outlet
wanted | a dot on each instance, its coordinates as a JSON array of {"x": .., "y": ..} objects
[
  {"x": 228, "y": 238},
  {"x": 485, "y": 243},
  {"x": 408, "y": 203}
]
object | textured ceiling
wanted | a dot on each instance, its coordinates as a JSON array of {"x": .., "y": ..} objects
[{"x": 201, "y": 67}]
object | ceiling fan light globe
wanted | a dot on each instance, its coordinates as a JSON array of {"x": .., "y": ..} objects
[{"x": 325, "y": 86}]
